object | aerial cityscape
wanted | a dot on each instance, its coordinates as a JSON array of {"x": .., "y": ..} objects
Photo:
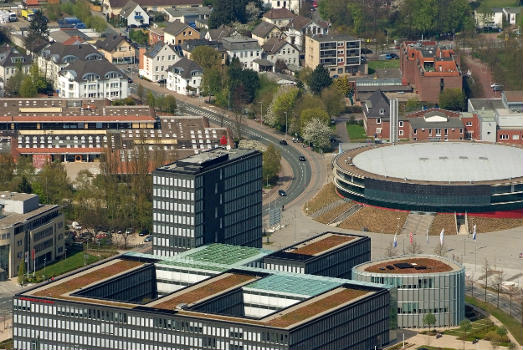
[{"x": 261, "y": 174}]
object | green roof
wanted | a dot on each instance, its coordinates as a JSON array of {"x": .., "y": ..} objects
[
  {"x": 221, "y": 254},
  {"x": 293, "y": 285}
]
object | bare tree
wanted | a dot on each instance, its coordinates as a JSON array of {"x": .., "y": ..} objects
[
  {"x": 486, "y": 270},
  {"x": 499, "y": 278},
  {"x": 470, "y": 279},
  {"x": 414, "y": 248},
  {"x": 511, "y": 291},
  {"x": 441, "y": 249},
  {"x": 390, "y": 251}
]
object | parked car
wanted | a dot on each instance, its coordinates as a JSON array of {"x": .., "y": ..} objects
[
  {"x": 302, "y": 159},
  {"x": 128, "y": 231},
  {"x": 75, "y": 225},
  {"x": 148, "y": 239},
  {"x": 144, "y": 232},
  {"x": 283, "y": 142},
  {"x": 393, "y": 56},
  {"x": 282, "y": 193}
]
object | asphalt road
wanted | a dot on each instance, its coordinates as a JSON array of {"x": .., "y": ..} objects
[
  {"x": 513, "y": 309},
  {"x": 301, "y": 170}
]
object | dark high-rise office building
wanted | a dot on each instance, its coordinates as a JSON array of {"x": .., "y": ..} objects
[{"x": 211, "y": 197}]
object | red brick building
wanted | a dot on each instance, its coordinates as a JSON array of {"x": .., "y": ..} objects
[
  {"x": 429, "y": 68},
  {"x": 435, "y": 124}
]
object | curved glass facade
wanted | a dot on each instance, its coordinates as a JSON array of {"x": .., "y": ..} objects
[{"x": 442, "y": 294}]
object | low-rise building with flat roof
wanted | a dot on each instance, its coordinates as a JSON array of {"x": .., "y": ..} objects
[
  {"x": 30, "y": 233},
  {"x": 327, "y": 254},
  {"x": 425, "y": 284}
]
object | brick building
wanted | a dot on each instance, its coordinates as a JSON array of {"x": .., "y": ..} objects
[
  {"x": 429, "y": 68},
  {"x": 434, "y": 124}
]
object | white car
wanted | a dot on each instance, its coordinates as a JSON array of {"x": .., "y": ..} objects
[{"x": 493, "y": 85}]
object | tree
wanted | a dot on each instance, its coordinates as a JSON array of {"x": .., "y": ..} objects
[
  {"x": 280, "y": 66},
  {"x": 271, "y": 163},
  {"x": 453, "y": 99},
  {"x": 429, "y": 319},
  {"x": 319, "y": 79},
  {"x": 227, "y": 11},
  {"x": 21, "y": 273},
  {"x": 499, "y": 278},
  {"x": 24, "y": 186},
  {"x": 166, "y": 103},
  {"x": 281, "y": 107},
  {"x": 343, "y": 85},
  {"x": 52, "y": 184},
  {"x": 212, "y": 82},
  {"x": 206, "y": 57},
  {"x": 313, "y": 113},
  {"x": 38, "y": 31},
  {"x": 53, "y": 12},
  {"x": 28, "y": 89},
  {"x": 138, "y": 36},
  {"x": 333, "y": 100},
  {"x": 7, "y": 168},
  {"x": 390, "y": 251},
  {"x": 140, "y": 92},
  {"x": 38, "y": 80},
  {"x": 413, "y": 105},
  {"x": 318, "y": 134},
  {"x": 465, "y": 326},
  {"x": 414, "y": 248},
  {"x": 151, "y": 101},
  {"x": 14, "y": 83}
]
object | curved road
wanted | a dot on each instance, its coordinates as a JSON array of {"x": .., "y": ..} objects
[{"x": 301, "y": 170}]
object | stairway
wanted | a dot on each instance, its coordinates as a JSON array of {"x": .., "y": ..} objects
[
  {"x": 418, "y": 223},
  {"x": 343, "y": 216}
]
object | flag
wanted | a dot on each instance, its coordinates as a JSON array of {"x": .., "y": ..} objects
[
  {"x": 395, "y": 242},
  {"x": 26, "y": 257},
  {"x": 474, "y": 232},
  {"x": 441, "y": 235},
  {"x": 411, "y": 238}
]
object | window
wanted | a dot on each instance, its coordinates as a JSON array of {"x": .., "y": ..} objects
[
  {"x": 503, "y": 137},
  {"x": 469, "y": 124},
  {"x": 415, "y": 131},
  {"x": 438, "y": 132},
  {"x": 378, "y": 130},
  {"x": 378, "y": 121},
  {"x": 461, "y": 130},
  {"x": 515, "y": 137},
  {"x": 382, "y": 111},
  {"x": 446, "y": 131},
  {"x": 401, "y": 124},
  {"x": 401, "y": 132}
]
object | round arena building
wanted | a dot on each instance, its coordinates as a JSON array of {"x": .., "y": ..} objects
[
  {"x": 425, "y": 284},
  {"x": 433, "y": 176}
]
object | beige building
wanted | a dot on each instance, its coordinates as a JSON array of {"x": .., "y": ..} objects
[
  {"x": 339, "y": 54},
  {"x": 30, "y": 233},
  {"x": 117, "y": 50}
]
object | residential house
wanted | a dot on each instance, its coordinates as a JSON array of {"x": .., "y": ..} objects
[
  {"x": 278, "y": 49},
  {"x": 376, "y": 115},
  {"x": 264, "y": 31},
  {"x": 429, "y": 68},
  {"x": 134, "y": 15},
  {"x": 175, "y": 33},
  {"x": 219, "y": 33},
  {"x": 10, "y": 60},
  {"x": 492, "y": 18},
  {"x": 280, "y": 17},
  {"x": 292, "y": 5},
  {"x": 56, "y": 56},
  {"x": 68, "y": 36},
  {"x": 300, "y": 26},
  {"x": 189, "y": 46},
  {"x": 185, "y": 77},
  {"x": 154, "y": 62},
  {"x": 117, "y": 49},
  {"x": 188, "y": 15},
  {"x": 92, "y": 79},
  {"x": 511, "y": 14},
  {"x": 339, "y": 54},
  {"x": 246, "y": 49},
  {"x": 113, "y": 8},
  {"x": 156, "y": 35}
]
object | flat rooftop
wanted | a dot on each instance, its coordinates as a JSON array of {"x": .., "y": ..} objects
[
  {"x": 9, "y": 219},
  {"x": 207, "y": 159},
  {"x": 321, "y": 244},
  {"x": 410, "y": 265},
  {"x": 15, "y": 196},
  {"x": 436, "y": 162}
]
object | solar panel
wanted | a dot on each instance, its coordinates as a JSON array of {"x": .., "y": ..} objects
[
  {"x": 403, "y": 265},
  {"x": 390, "y": 267},
  {"x": 420, "y": 267}
]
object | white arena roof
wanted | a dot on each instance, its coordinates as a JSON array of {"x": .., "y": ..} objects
[{"x": 443, "y": 161}]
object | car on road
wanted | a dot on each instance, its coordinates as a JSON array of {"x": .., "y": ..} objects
[
  {"x": 283, "y": 142},
  {"x": 148, "y": 239},
  {"x": 282, "y": 193},
  {"x": 302, "y": 159}
]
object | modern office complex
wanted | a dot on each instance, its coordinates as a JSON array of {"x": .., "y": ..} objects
[
  {"x": 425, "y": 284},
  {"x": 218, "y": 300},
  {"x": 328, "y": 254},
  {"x": 30, "y": 233},
  {"x": 435, "y": 176},
  {"x": 230, "y": 182}
]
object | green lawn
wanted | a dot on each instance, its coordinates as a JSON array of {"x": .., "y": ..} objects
[
  {"x": 72, "y": 262},
  {"x": 500, "y": 3},
  {"x": 383, "y": 64},
  {"x": 508, "y": 321},
  {"x": 479, "y": 330},
  {"x": 356, "y": 133}
]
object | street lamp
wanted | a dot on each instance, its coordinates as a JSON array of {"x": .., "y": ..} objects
[
  {"x": 286, "y": 123},
  {"x": 261, "y": 112}
]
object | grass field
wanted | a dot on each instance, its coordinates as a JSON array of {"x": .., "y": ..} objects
[
  {"x": 481, "y": 329},
  {"x": 383, "y": 64},
  {"x": 500, "y": 3},
  {"x": 356, "y": 132},
  {"x": 512, "y": 325}
]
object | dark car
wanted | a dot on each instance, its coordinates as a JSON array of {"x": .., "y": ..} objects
[
  {"x": 144, "y": 232},
  {"x": 148, "y": 239},
  {"x": 302, "y": 159},
  {"x": 394, "y": 56},
  {"x": 283, "y": 142},
  {"x": 282, "y": 193}
]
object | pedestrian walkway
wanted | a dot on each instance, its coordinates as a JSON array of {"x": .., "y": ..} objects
[{"x": 418, "y": 223}]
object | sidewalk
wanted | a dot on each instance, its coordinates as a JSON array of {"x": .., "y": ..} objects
[{"x": 6, "y": 328}]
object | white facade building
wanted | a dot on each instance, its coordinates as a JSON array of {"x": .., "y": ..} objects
[
  {"x": 95, "y": 79},
  {"x": 246, "y": 49},
  {"x": 300, "y": 26},
  {"x": 278, "y": 49},
  {"x": 293, "y": 5},
  {"x": 185, "y": 77},
  {"x": 155, "y": 62},
  {"x": 134, "y": 14}
]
